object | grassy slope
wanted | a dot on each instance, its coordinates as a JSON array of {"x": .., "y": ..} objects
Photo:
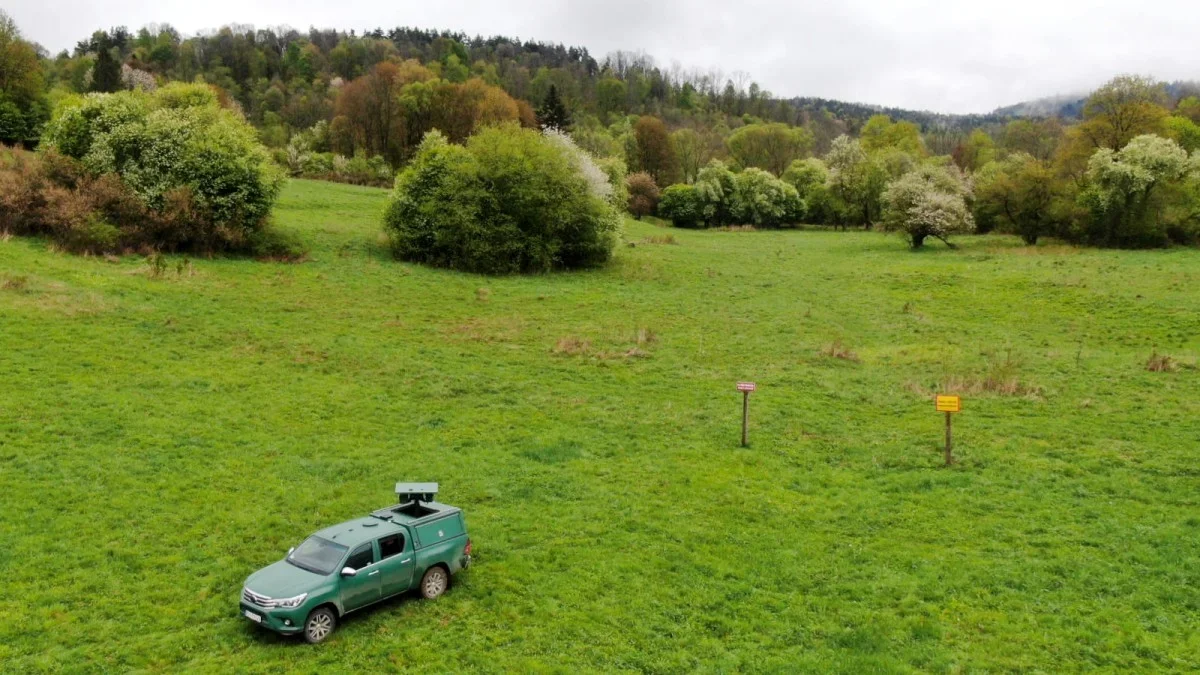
[{"x": 162, "y": 438}]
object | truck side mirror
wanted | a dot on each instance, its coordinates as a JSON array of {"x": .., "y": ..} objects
[{"x": 349, "y": 572}]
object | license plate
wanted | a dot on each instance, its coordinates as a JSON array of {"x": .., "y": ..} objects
[{"x": 252, "y": 616}]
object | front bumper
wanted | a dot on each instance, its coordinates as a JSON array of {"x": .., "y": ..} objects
[{"x": 285, "y": 621}]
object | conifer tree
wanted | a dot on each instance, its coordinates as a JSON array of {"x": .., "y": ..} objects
[{"x": 553, "y": 114}]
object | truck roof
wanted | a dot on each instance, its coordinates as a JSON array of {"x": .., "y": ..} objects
[
  {"x": 354, "y": 532},
  {"x": 385, "y": 521}
]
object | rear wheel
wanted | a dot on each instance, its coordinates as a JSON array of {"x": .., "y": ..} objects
[
  {"x": 434, "y": 583},
  {"x": 319, "y": 624}
]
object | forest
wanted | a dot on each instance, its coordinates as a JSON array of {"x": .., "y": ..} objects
[{"x": 355, "y": 107}]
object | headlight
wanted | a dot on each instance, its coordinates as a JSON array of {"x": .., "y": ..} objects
[{"x": 290, "y": 602}]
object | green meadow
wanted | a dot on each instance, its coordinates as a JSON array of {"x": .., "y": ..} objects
[{"x": 165, "y": 430}]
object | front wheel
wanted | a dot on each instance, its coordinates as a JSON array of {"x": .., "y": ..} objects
[
  {"x": 434, "y": 583},
  {"x": 319, "y": 624}
]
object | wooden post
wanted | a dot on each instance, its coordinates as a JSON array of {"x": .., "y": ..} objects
[
  {"x": 745, "y": 417},
  {"x": 949, "y": 442}
]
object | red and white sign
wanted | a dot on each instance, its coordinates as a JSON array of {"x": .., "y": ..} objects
[{"x": 746, "y": 386}]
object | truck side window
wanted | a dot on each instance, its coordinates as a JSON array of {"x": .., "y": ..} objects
[
  {"x": 362, "y": 556},
  {"x": 390, "y": 546}
]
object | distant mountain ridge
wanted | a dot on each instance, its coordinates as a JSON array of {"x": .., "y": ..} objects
[{"x": 1070, "y": 106}]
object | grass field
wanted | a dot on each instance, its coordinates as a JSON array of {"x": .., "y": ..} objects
[{"x": 162, "y": 436}]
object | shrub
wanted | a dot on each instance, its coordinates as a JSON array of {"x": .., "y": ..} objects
[
  {"x": 763, "y": 200},
  {"x": 616, "y": 171},
  {"x": 511, "y": 200},
  {"x": 682, "y": 205},
  {"x": 202, "y": 178},
  {"x": 928, "y": 202},
  {"x": 810, "y": 177},
  {"x": 714, "y": 186},
  {"x": 643, "y": 194}
]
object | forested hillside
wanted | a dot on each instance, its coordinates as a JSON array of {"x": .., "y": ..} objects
[
  {"x": 715, "y": 147},
  {"x": 286, "y": 81}
]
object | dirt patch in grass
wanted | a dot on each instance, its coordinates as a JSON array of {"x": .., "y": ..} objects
[
  {"x": 1001, "y": 376},
  {"x": 837, "y": 350},
  {"x": 659, "y": 239},
  {"x": 488, "y": 330},
  {"x": 17, "y": 284},
  {"x": 572, "y": 346},
  {"x": 1161, "y": 363}
]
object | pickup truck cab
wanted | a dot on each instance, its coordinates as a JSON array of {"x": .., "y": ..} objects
[{"x": 418, "y": 543}]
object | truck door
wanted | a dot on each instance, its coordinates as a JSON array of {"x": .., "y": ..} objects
[
  {"x": 395, "y": 563},
  {"x": 362, "y": 588}
]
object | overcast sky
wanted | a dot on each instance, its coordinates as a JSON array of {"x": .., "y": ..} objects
[{"x": 943, "y": 55}]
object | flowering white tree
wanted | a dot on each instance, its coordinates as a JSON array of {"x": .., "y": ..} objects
[
  {"x": 1128, "y": 191},
  {"x": 597, "y": 179},
  {"x": 134, "y": 79},
  {"x": 927, "y": 202}
]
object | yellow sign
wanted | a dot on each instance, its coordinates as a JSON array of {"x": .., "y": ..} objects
[{"x": 949, "y": 403}]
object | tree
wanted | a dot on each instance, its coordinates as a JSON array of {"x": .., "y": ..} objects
[
  {"x": 21, "y": 80},
  {"x": 1133, "y": 194},
  {"x": 106, "y": 74},
  {"x": 643, "y": 194},
  {"x": 371, "y": 106},
  {"x": 763, "y": 200},
  {"x": 880, "y": 133},
  {"x": 1036, "y": 138},
  {"x": 1020, "y": 194},
  {"x": 692, "y": 151},
  {"x": 977, "y": 150},
  {"x": 655, "y": 155},
  {"x": 810, "y": 177},
  {"x": 1189, "y": 107},
  {"x": 1183, "y": 131},
  {"x": 772, "y": 147},
  {"x": 681, "y": 204},
  {"x": 714, "y": 187},
  {"x": 1125, "y": 107},
  {"x": 553, "y": 114},
  {"x": 510, "y": 200},
  {"x": 856, "y": 181},
  {"x": 927, "y": 202},
  {"x": 610, "y": 97}
]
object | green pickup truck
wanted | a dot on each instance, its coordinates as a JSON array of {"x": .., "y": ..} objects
[{"x": 418, "y": 543}]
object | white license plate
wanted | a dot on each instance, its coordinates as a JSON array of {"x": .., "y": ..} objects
[{"x": 252, "y": 616}]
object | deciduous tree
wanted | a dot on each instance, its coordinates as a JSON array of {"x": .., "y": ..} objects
[
  {"x": 927, "y": 202},
  {"x": 655, "y": 155},
  {"x": 772, "y": 147},
  {"x": 1125, "y": 107},
  {"x": 1019, "y": 194}
]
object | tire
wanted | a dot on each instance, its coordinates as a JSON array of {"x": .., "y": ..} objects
[
  {"x": 434, "y": 583},
  {"x": 319, "y": 625}
]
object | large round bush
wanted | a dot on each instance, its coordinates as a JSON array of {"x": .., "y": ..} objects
[
  {"x": 763, "y": 200},
  {"x": 511, "y": 200},
  {"x": 682, "y": 205},
  {"x": 179, "y": 151}
]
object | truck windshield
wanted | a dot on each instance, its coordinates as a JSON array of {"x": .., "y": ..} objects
[{"x": 317, "y": 555}]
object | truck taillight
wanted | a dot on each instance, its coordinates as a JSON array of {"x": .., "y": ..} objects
[{"x": 467, "y": 550}]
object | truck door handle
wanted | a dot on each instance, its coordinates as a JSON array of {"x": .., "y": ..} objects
[
  {"x": 406, "y": 560},
  {"x": 373, "y": 573}
]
